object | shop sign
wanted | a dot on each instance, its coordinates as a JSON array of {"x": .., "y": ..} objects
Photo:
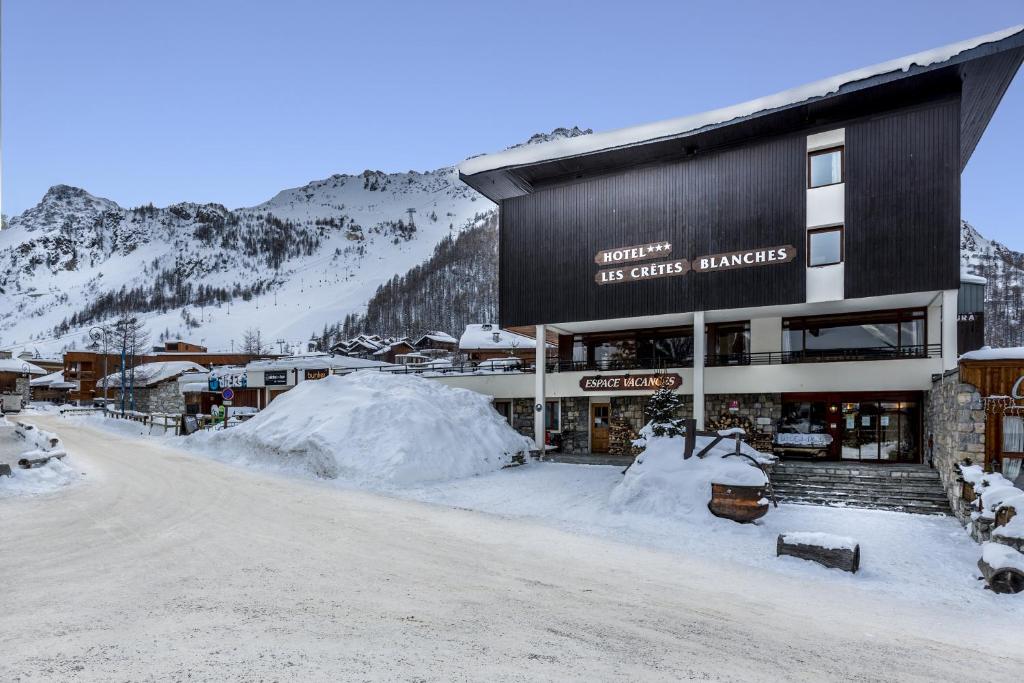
[
  {"x": 645, "y": 382},
  {"x": 627, "y": 270},
  {"x": 648, "y": 271},
  {"x": 318, "y": 373},
  {"x": 745, "y": 259},
  {"x": 641, "y": 252},
  {"x": 275, "y": 378}
]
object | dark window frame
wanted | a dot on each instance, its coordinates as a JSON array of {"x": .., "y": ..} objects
[
  {"x": 842, "y": 165},
  {"x": 842, "y": 244}
]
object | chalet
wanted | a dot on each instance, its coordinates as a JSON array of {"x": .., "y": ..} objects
[
  {"x": 150, "y": 387},
  {"x": 791, "y": 262},
  {"x": 436, "y": 340},
  {"x": 480, "y": 342},
  {"x": 15, "y": 383},
  {"x": 52, "y": 388}
]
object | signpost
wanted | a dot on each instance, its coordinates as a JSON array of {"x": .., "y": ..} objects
[{"x": 226, "y": 396}]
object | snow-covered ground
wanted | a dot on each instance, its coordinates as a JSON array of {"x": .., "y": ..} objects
[
  {"x": 171, "y": 567},
  {"x": 924, "y": 559}
]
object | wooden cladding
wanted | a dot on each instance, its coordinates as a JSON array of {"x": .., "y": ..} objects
[
  {"x": 903, "y": 201},
  {"x": 741, "y": 198}
]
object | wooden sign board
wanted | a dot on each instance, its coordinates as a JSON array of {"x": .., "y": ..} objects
[
  {"x": 318, "y": 373},
  {"x": 642, "y": 382},
  {"x": 640, "y": 252},
  {"x": 744, "y": 259},
  {"x": 649, "y": 271}
]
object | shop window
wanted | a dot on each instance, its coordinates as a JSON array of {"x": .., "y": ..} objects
[
  {"x": 552, "y": 416},
  {"x": 825, "y": 167},
  {"x": 804, "y": 417},
  {"x": 825, "y": 246}
]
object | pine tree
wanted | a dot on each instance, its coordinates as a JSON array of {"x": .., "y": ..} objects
[{"x": 662, "y": 411}]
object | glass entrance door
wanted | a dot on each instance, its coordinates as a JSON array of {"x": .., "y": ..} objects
[{"x": 880, "y": 431}]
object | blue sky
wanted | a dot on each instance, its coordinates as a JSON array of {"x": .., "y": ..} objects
[{"x": 232, "y": 101}]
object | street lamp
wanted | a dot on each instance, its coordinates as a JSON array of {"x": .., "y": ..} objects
[{"x": 97, "y": 333}]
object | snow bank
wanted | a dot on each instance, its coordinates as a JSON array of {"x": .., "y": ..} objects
[
  {"x": 820, "y": 539},
  {"x": 46, "y": 478},
  {"x": 999, "y": 556},
  {"x": 661, "y": 482},
  {"x": 372, "y": 428}
]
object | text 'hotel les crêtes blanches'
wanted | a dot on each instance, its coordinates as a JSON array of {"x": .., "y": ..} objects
[{"x": 627, "y": 270}]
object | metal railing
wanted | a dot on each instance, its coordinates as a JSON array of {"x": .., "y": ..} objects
[{"x": 710, "y": 360}]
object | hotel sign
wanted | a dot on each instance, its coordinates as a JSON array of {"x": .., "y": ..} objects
[
  {"x": 646, "y": 382},
  {"x": 626, "y": 270}
]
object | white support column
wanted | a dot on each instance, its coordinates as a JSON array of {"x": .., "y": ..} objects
[
  {"x": 699, "y": 339},
  {"x": 949, "y": 313},
  {"x": 538, "y": 388}
]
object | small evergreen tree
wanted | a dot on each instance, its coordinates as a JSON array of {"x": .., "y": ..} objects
[{"x": 662, "y": 411}]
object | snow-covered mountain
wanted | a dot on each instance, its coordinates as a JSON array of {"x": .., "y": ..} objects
[
  {"x": 291, "y": 266},
  {"x": 1004, "y": 270}
]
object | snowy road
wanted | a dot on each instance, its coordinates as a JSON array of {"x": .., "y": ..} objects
[{"x": 164, "y": 565}]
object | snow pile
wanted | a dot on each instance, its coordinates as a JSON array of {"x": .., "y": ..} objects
[
  {"x": 372, "y": 428},
  {"x": 989, "y": 353},
  {"x": 491, "y": 337},
  {"x": 820, "y": 539},
  {"x": 49, "y": 477},
  {"x": 999, "y": 556},
  {"x": 661, "y": 482}
]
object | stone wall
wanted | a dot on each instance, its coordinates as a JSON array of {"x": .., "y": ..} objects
[
  {"x": 22, "y": 386},
  {"x": 751, "y": 406},
  {"x": 522, "y": 416},
  {"x": 954, "y": 416},
  {"x": 162, "y": 398},
  {"x": 575, "y": 424}
]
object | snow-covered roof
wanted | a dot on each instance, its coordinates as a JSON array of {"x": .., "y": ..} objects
[
  {"x": 55, "y": 380},
  {"x": 625, "y": 137},
  {"x": 20, "y": 366},
  {"x": 314, "y": 361},
  {"x": 148, "y": 374},
  {"x": 971, "y": 278},
  {"x": 989, "y": 353},
  {"x": 485, "y": 336},
  {"x": 440, "y": 337}
]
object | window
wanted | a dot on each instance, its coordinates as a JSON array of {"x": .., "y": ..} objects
[
  {"x": 825, "y": 246},
  {"x": 552, "y": 416},
  {"x": 1013, "y": 434},
  {"x": 881, "y": 334},
  {"x": 728, "y": 343},
  {"x": 825, "y": 167},
  {"x": 504, "y": 409}
]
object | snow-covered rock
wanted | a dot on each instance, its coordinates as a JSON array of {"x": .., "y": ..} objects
[
  {"x": 661, "y": 482},
  {"x": 372, "y": 428}
]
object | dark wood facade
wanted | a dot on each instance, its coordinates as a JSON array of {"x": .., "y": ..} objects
[
  {"x": 903, "y": 201},
  {"x": 746, "y": 197}
]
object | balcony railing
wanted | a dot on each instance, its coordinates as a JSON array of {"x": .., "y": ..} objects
[{"x": 711, "y": 360}]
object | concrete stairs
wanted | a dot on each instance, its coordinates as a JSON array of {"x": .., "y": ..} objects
[{"x": 903, "y": 488}]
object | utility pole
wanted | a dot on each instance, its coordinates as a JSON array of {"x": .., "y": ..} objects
[{"x": 412, "y": 221}]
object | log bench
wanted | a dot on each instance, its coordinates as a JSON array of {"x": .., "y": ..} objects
[
  {"x": 1002, "y": 567},
  {"x": 838, "y": 552}
]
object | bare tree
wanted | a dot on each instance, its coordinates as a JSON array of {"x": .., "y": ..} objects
[{"x": 252, "y": 342}]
